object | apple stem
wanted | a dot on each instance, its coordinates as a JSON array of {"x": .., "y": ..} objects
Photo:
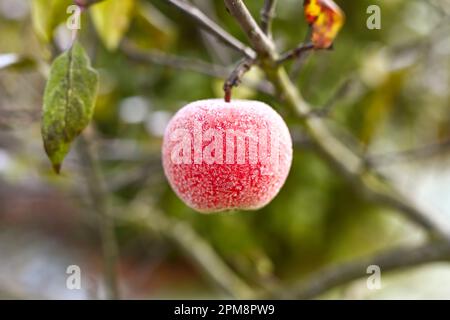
[
  {"x": 236, "y": 75},
  {"x": 227, "y": 97}
]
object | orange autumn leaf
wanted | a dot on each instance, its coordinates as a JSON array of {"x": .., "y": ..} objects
[{"x": 325, "y": 19}]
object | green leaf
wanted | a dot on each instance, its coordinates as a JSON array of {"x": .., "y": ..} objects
[
  {"x": 46, "y": 15},
  {"x": 69, "y": 101},
  {"x": 111, "y": 20}
]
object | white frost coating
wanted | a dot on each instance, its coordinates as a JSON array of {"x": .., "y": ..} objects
[{"x": 234, "y": 155}]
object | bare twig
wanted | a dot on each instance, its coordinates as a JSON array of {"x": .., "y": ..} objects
[
  {"x": 189, "y": 64},
  {"x": 146, "y": 173},
  {"x": 339, "y": 94},
  {"x": 176, "y": 62},
  {"x": 213, "y": 27},
  {"x": 296, "y": 53},
  {"x": 99, "y": 201},
  {"x": 267, "y": 15},
  {"x": 216, "y": 51},
  {"x": 236, "y": 76},
  {"x": 336, "y": 275},
  {"x": 196, "y": 249},
  {"x": 423, "y": 152}
]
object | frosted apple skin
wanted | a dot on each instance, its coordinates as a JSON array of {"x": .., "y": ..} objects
[{"x": 223, "y": 186}]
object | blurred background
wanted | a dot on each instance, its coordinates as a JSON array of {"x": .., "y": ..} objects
[{"x": 390, "y": 89}]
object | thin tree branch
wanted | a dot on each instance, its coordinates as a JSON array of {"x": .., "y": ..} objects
[
  {"x": 189, "y": 64},
  {"x": 213, "y": 27},
  {"x": 410, "y": 155},
  {"x": 105, "y": 223},
  {"x": 371, "y": 184},
  {"x": 259, "y": 41},
  {"x": 296, "y": 53},
  {"x": 267, "y": 15},
  {"x": 215, "y": 49},
  {"x": 195, "y": 248},
  {"x": 338, "y": 94},
  {"x": 176, "y": 62},
  {"x": 236, "y": 76},
  {"x": 336, "y": 275}
]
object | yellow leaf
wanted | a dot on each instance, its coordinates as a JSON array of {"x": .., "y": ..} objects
[
  {"x": 326, "y": 20},
  {"x": 150, "y": 23},
  {"x": 111, "y": 20},
  {"x": 46, "y": 15}
]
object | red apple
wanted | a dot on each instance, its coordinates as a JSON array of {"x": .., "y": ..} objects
[{"x": 221, "y": 155}]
